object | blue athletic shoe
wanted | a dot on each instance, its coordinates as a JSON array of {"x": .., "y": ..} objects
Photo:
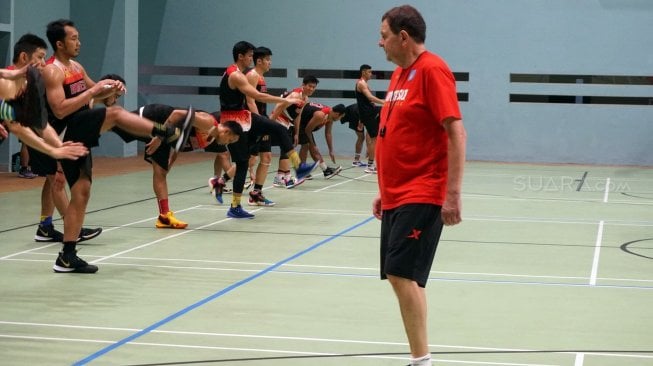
[
  {"x": 238, "y": 213},
  {"x": 304, "y": 169},
  {"x": 216, "y": 187}
]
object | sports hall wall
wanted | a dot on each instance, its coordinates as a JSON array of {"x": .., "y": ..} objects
[{"x": 539, "y": 81}]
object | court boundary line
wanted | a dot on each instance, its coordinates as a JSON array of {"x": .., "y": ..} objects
[
  {"x": 359, "y": 275},
  {"x": 634, "y": 354},
  {"x": 216, "y": 295},
  {"x": 597, "y": 254}
]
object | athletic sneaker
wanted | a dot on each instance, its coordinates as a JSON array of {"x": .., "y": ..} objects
[
  {"x": 256, "y": 198},
  {"x": 47, "y": 233},
  {"x": 359, "y": 164},
  {"x": 177, "y": 134},
  {"x": 26, "y": 172},
  {"x": 169, "y": 221},
  {"x": 331, "y": 172},
  {"x": 249, "y": 184},
  {"x": 71, "y": 263},
  {"x": 88, "y": 234},
  {"x": 292, "y": 182},
  {"x": 304, "y": 170},
  {"x": 370, "y": 169},
  {"x": 216, "y": 186},
  {"x": 279, "y": 182},
  {"x": 238, "y": 213}
]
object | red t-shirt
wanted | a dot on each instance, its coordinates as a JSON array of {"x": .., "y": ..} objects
[{"x": 411, "y": 148}]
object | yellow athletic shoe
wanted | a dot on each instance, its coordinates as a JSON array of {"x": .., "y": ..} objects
[{"x": 170, "y": 221}]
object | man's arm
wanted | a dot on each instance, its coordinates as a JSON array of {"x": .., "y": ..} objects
[
  {"x": 452, "y": 207},
  {"x": 328, "y": 137},
  {"x": 252, "y": 79},
  {"x": 13, "y": 74},
  {"x": 279, "y": 107},
  {"x": 362, "y": 87},
  {"x": 68, "y": 150},
  {"x": 50, "y": 136},
  {"x": 239, "y": 81},
  {"x": 53, "y": 78}
]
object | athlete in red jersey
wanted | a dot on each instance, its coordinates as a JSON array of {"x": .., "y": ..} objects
[
  {"x": 368, "y": 112},
  {"x": 263, "y": 145},
  {"x": 70, "y": 93},
  {"x": 287, "y": 115},
  {"x": 234, "y": 87},
  {"x": 314, "y": 116},
  {"x": 420, "y": 154}
]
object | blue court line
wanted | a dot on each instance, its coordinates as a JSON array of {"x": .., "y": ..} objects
[{"x": 215, "y": 296}]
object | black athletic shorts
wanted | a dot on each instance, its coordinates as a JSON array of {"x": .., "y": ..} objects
[
  {"x": 42, "y": 164},
  {"x": 371, "y": 122},
  {"x": 83, "y": 126},
  {"x": 157, "y": 113},
  {"x": 262, "y": 145},
  {"x": 409, "y": 239},
  {"x": 351, "y": 117}
]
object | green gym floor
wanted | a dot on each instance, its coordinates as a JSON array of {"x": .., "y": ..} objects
[{"x": 552, "y": 265}]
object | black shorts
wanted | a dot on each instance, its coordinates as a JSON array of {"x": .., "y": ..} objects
[
  {"x": 158, "y": 113},
  {"x": 303, "y": 136},
  {"x": 409, "y": 239},
  {"x": 85, "y": 127},
  {"x": 262, "y": 145},
  {"x": 351, "y": 117},
  {"x": 42, "y": 164},
  {"x": 371, "y": 122}
]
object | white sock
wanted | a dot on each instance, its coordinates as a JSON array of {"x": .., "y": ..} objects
[
  {"x": 421, "y": 361},
  {"x": 323, "y": 165}
]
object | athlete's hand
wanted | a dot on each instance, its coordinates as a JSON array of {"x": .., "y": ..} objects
[
  {"x": 376, "y": 207},
  {"x": 70, "y": 150},
  {"x": 293, "y": 100},
  {"x": 3, "y": 132},
  {"x": 332, "y": 156},
  {"x": 151, "y": 146},
  {"x": 451, "y": 209}
]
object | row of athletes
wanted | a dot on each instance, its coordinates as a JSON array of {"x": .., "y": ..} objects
[
  {"x": 164, "y": 129},
  {"x": 418, "y": 192}
]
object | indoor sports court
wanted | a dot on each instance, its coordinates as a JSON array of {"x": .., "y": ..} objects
[
  {"x": 548, "y": 268},
  {"x": 552, "y": 264}
]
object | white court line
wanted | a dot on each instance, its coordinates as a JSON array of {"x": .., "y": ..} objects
[
  {"x": 597, "y": 252},
  {"x": 607, "y": 190},
  {"x": 28, "y": 251},
  {"x": 263, "y": 350},
  {"x": 184, "y": 232},
  {"x": 288, "y": 338},
  {"x": 580, "y": 357},
  {"x": 148, "y": 219},
  {"x": 341, "y": 183}
]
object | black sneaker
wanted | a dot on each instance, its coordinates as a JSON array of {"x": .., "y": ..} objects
[
  {"x": 331, "y": 172},
  {"x": 46, "y": 233},
  {"x": 88, "y": 234},
  {"x": 71, "y": 263}
]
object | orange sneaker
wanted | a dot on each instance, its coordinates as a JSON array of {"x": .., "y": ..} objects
[{"x": 169, "y": 221}]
